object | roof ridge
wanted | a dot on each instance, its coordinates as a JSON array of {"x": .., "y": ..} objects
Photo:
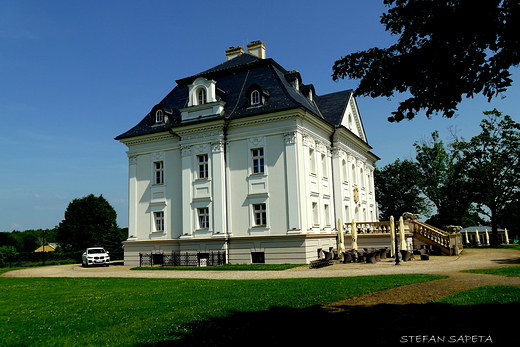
[{"x": 242, "y": 60}]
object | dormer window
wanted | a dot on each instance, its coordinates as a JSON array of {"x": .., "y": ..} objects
[
  {"x": 202, "y": 92},
  {"x": 201, "y": 96},
  {"x": 255, "y": 98},
  {"x": 203, "y": 100},
  {"x": 159, "y": 116}
]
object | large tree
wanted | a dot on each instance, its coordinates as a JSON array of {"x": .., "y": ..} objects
[
  {"x": 491, "y": 161},
  {"x": 397, "y": 191},
  {"x": 89, "y": 222},
  {"x": 442, "y": 179},
  {"x": 446, "y": 49}
]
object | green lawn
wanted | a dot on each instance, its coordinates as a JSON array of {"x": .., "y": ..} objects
[
  {"x": 484, "y": 295},
  {"x": 512, "y": 271},
  {"x": 153, "y": 312}
]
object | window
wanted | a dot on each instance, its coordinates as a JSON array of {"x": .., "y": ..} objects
[
  {"x": 203, "y": 214},
  {"x": 344, "y": 170},
  {"x": 258, "y": 257},
  {"x": 260, "y": 214},
  {"x": 327, "y": 215},
  {"x": 159, "y": 221},
  {"x": 201, "y": 96},
  {"x": 258, "y": 160},
  {"x": 158, "y": 172},
  {"x": 159, "y": 116},
  {"x": 255, "y": 98},
  {"x": 315, "y": 214},
  {"x": 312, "y": 160},
  {"x": 323, "y": 165},
  {"x": 202, "y": 161}
]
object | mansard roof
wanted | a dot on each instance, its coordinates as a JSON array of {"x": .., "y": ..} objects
[{"x": 233, "y": 79}]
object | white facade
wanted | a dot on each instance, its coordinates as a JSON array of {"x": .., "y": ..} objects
[{"x": 273, "y": 183}]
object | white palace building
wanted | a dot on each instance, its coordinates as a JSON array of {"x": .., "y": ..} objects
[{"x": 245, "y": 158}]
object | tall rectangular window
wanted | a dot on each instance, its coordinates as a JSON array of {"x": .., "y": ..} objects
[
  {"x": 258, "y": 160},
  {"x": 159, "y": 221},
  {"x": 324, "y": 165},
  {"x": 260, "y": 214},
  {"x": 203, "y": 165},
  {"x": 315, "y": 214},
  {"x": 312, "y": 159},
  {"x": 327, "y": 214},
  {"x": 158, "y": 172},
  {"x": 203, "y": 214}
]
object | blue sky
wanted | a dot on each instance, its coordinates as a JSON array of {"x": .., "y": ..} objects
[{"x": 75, "y": 74}]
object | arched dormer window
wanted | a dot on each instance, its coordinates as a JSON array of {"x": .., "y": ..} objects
[
  {"x": 255, "y": 98},
  {"x": 201, "y": 96},
  {"x": 159, "y": 116}
]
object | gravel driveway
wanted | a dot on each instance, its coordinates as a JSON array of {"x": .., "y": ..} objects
[{"x": 441, "y": 265}]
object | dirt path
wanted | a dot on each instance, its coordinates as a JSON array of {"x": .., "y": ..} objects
[{"x": 422, "y": 293}]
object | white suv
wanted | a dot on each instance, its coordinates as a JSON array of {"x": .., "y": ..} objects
[{"x": 95, "y": 256}]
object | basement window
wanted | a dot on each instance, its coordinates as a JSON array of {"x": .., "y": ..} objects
[{"x": 258, "y": 257}]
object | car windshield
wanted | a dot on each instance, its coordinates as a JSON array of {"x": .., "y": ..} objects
[{"x": 97, "y": 250}]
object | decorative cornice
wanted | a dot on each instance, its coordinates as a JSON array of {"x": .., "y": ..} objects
[{"x": 148, "y": 139}]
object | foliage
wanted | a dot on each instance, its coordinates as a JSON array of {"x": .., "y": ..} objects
[
  {"x": 7, "y": 255},
  {"x": 137, "y": 312},
  {"x": 442, "y": 179},
  {"x": 28, "y": 240},
  {"x": 491, "y": 162},
  {"x": 397, "y": 191},
  {"x": 436, "y": 62},
  {"x": 89, "y": 222}
]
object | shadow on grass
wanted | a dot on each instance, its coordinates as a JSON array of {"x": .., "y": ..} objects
[{"x": 357, "y": 326}]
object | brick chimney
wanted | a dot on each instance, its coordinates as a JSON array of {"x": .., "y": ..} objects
[
  {"x": 256, "y": 48},
  {"x": 233, "y": 52}
]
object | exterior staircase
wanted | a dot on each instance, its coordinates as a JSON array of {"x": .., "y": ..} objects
[{"x": 449, "y": 243}]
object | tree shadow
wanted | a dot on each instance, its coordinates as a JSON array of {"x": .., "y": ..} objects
[
  {"x": 354, "y": 325},
  {"x": 510, "y": 261}
]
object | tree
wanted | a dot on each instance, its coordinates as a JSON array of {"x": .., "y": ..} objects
[
  {"x": 446, "y": 49},
  {"x": 492, "y": 165},
  {"x": 441, "y": 178},
  {"x": 8, "y": 254},
  {"x": 89, "y": 222},
  {"x": 396, "y": 190}
]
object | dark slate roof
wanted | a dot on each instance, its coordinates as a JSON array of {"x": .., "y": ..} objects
[
  {"x": 333, "y": 106},
  {"x": 233, "y": 79}
]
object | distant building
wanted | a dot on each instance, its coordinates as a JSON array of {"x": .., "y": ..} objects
[
  {"x": 247, "y": 159},
  {"x": 50, "y": 247},
  {"x": 482, "y": 235}
]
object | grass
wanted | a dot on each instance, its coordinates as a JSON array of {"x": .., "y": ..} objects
[
  {"x": 512, "y": 271},
  {"x": 484, "y": 295},
  {"x": 228, "y": 267},
  {"x": 154, "y": 312}
]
